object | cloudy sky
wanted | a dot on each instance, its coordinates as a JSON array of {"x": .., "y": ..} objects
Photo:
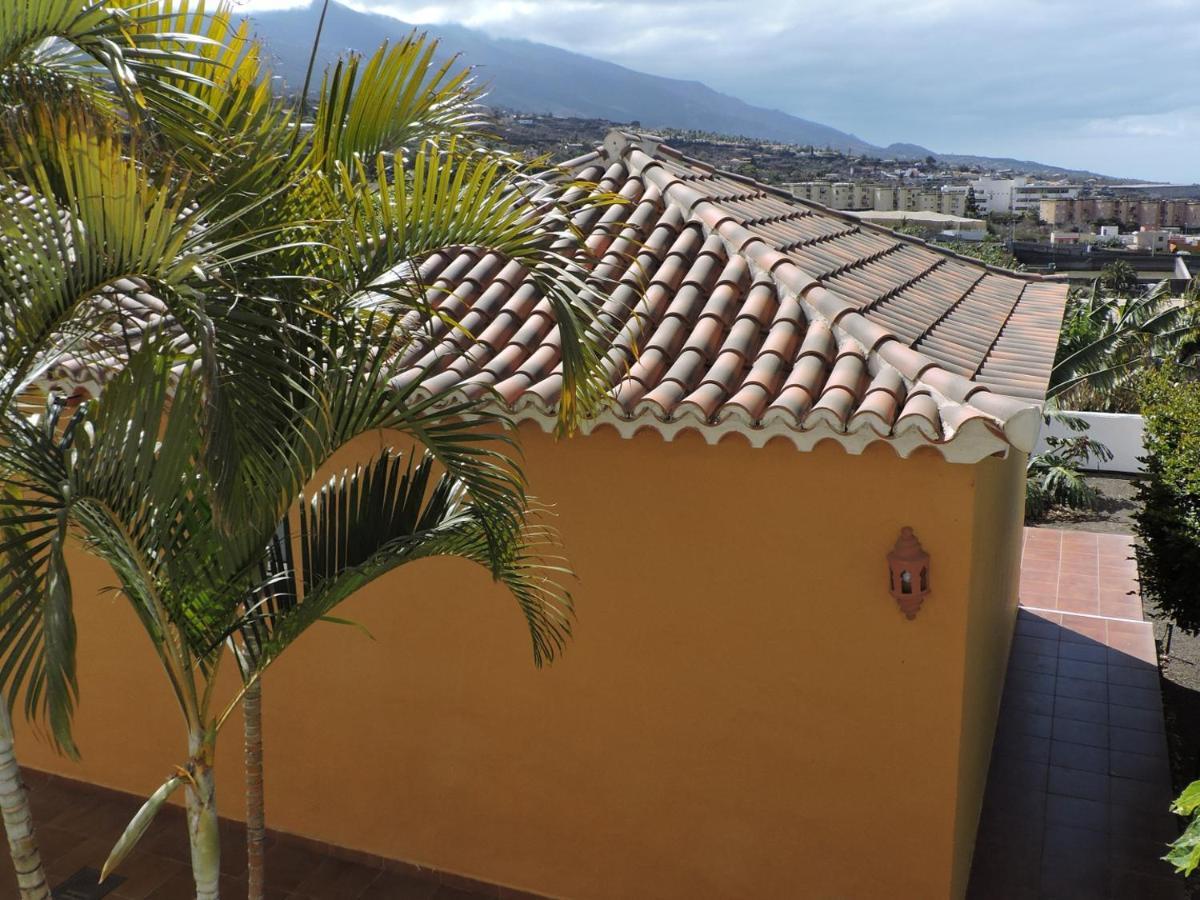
[{"x": 1107, "y": 85}]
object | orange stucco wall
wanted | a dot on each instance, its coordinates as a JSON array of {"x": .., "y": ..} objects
[
  {"x": 742, "y": 712},
  {"x": 996, "y": 574}
]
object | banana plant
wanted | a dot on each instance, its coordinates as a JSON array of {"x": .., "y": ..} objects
[
  {"x": 1107, "y": 340},
  {"x": 1053, "y": 476},
  {"x": 1184, "y": 851}
]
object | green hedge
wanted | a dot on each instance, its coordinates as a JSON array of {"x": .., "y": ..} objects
[{"x": 1169, "y": 522}]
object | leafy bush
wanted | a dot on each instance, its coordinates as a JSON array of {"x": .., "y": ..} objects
[
  {"x": 1169, "y": 521},
  {"x": 1053, "y": 478},
  {"x": 1185, "y": 850},
  {"x": 990, "y": 251},
  {"x": 1119, "y": 277}
]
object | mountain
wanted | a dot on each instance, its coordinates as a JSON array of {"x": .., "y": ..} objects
[
  {"x": 529, "y": 77},
  {"x": 1026, "y": 166},
  {"x": 907, "y": 151}
]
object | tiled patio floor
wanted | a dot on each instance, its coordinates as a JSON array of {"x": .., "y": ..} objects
[
  {"x": 77, "y": 824},
  {"x": 1079, "y": 788}
]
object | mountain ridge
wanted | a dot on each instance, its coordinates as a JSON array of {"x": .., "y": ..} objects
[{"x": 527, "y": 76}]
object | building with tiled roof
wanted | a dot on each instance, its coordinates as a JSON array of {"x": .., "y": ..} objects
[
  {"x": 787, "y": 667},
  {"x": 739, "y": 309},
  {"x": 735, "y": 308}
]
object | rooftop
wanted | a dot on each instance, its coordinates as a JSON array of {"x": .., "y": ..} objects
[
  {"x": 739, "y": 309},
  {"x": 900, "y": 216}
]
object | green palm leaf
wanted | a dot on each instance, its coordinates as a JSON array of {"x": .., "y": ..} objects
[
  {"x": 72, "y": 42},
  {"x": 368, "y": 521},
  {"x": 397, "y": 98}
]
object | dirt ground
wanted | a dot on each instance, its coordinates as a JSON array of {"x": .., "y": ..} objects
[
  {"x": 1179, "y": 652},
  {"x": 1114, "y": 512}
]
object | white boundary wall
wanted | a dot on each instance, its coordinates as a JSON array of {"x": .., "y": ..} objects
[{"x": 1120, "y": 432}]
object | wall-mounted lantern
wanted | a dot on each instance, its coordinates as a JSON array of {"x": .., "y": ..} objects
[{"x": 908, "y": 572}]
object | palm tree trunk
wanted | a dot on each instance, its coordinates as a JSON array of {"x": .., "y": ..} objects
[
  {"x": 18, "y": 820},
  {"x": 256, "y": 818},
  {"x": 202, "y": 818}
]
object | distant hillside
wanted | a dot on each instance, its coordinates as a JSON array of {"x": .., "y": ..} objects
[
  {"x": 1029, "y": 167},
  {"x": 1026, "y": 166},
  {"x": 538, "y": 78}
]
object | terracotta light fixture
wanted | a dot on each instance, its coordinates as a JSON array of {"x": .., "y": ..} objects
[{"x": 908, "y": 573}]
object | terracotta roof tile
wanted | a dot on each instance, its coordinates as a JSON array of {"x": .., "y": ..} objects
[{"x": 735, "y": 308}]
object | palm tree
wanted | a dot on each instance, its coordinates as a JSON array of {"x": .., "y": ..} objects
[
  {"x": 1106, "y": 343},
  {"x": 65, "y": 52},
  {"x": 221, "y": 193},
  {"x": 141, "y": 507}
]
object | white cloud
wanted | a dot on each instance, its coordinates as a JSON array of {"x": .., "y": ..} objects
[
  {"x": 996, "y": 77},
  {"x": 1176, "y": 124}
]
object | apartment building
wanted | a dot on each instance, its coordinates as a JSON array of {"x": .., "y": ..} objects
[
  {"x": 1028, "y": 197},
  {"x": 949, "y": 199},
  {"x": 1131, "y": 212},
  {"x": 1017, "y": 195}
]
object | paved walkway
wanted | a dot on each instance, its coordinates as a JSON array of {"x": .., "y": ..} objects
[{"x": 1079, "y": 788}]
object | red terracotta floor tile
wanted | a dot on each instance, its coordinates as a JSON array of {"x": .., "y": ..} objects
[
  {"x": 1046, "y": 627},
  {"x": 1093, "y": 817},
  {"x": 394, "y": 886},
  {"x": 1075, "y": 628},
  {"x": 1080, "y": 565},
  {"x": 1123, "y": 608},
  {"x": 1078, "y": 585},
  {"x": 1040, "y": 580},
  {"x": 1078, "y": 783},
  {"x": 1080, "y": 710},
  {"x": 1078, "y": 602},
  {"x": 1086, "y": 651},
  {"x": 1039, "y": 598},
  {"x": 1145, "y": 886}
]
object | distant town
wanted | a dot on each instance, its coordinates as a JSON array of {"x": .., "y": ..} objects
[{"x": 1072, "y": 223}]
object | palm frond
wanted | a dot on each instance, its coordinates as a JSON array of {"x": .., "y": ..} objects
[
  {"x": 368, "y": 521},
  {"x": 124, "y": 478},
  {"x": 397, "y": 98},
  {"x": 37, "y": 626},
  {"x": 124, "y": 40},
  {"x": 451, "y": 199},
  {"x": 1106, "y": 340},
  {"x": 79, "y": 216}
]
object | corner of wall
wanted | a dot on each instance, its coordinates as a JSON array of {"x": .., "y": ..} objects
[{"x": 997, "y": 535}]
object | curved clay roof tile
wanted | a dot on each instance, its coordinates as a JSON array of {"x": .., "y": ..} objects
[{"x": 724, "y": 305}]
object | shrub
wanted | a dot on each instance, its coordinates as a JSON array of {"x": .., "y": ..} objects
[
  {"x": 1119, "y": 277},
  {"x": 1185, "y": 850},
  {"x": 1169, "y": 521},
  {"x": 990, "y": 251}
]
